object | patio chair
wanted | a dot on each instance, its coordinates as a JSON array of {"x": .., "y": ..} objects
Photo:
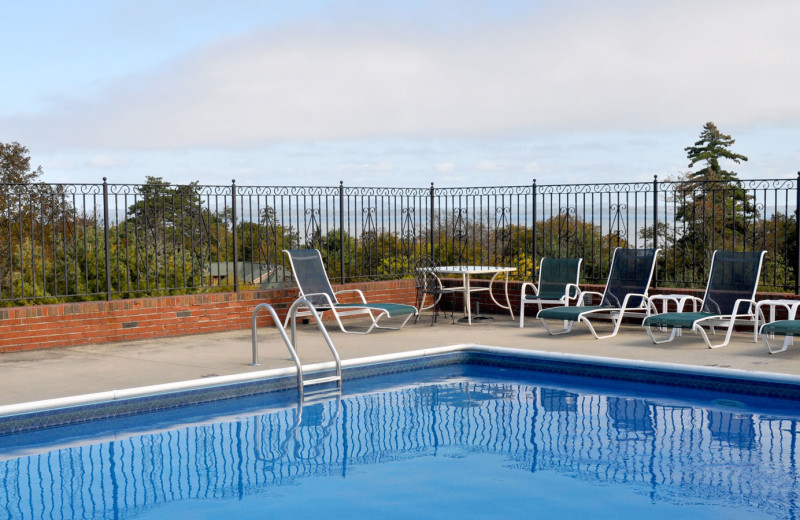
[
  {"x": 729, "y": 298},
  {"x": 625, "y": 292},
  {"x": 427, "y": 282},
  {"x": 789, "y": 328},
  {"x": 309, "y": 273},
  {"x": 558, "y": 284}
]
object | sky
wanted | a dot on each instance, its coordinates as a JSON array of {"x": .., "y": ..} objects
[{"x": 458, "y": 93}]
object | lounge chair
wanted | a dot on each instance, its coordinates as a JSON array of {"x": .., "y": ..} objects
[
  {"x": 789, "y": 328},
  {"x": 558, "y": 284},
  {"x": 625, "y": 292},
  {"x": 309, "y": 273},
  {"x": 729, "y": 298}
]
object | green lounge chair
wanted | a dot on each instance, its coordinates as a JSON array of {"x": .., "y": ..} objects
[
  {"x": 729, "y": 298},
  {"x": 558, "y": 284},
  {"x": 625, "y": 292},
  {"x": 309, "y": 273},
  {"x": 789, "y": 328}
]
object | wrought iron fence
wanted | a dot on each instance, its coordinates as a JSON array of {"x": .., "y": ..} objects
[{"x": 104, "y": 241}]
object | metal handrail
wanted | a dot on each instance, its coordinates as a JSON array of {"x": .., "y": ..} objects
[{"x": 290, "y": 343}]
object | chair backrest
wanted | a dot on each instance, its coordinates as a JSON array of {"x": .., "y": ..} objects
[
  {"x": 734, "y": 276},
  {"x": 555, "y": 274},
  {"x": 631, "y": 273},
  {"x": 425, "y": 278},
  {"x": 309, "y": 273}
]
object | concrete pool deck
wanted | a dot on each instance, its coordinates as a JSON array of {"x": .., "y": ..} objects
[{"x": 63, "y": 372}]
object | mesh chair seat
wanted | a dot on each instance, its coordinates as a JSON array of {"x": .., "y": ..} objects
[
  {"x": 392, "y": 309},
  {"x": 568, "y": 313},
  {"x": 682, "y": 320},
  {"x": 782, "y": 327}
]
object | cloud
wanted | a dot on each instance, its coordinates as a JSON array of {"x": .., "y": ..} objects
[
  {"x": 616, "y": 66},
  {"x": 104, "y": 161},
  {"x": 444, "y": 167}
]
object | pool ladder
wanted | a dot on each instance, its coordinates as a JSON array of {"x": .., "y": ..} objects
[{"x": 302, "y": 382}]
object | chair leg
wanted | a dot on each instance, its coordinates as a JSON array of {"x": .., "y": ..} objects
[
  {"x": 698, "y": 329},
  {"x": 675, "y": 331},
  {"x": 557, "y": 332},
  {"x": 788, "y": 340}
]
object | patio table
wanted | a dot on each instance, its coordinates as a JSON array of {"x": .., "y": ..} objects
[{"x": 466, "y": 271}]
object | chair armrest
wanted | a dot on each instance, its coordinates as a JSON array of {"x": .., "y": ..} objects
[
  {"x": 791, "y": 307},
  {"x": 567, "y": 291},
  {"x": 324, "y": 296},
  {"x": 693, "y": 299},
  {"x": 532, "y": 286},
  {"x": 680, "y": 301},
  {"x": 751, "y": 310},
  {"x": 644, "y": 305},
  {"x": 358, "y": 291},
  {"x": 590, "y": 293}
]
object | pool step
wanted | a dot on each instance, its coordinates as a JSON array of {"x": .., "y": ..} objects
[
  {"x": 321, "y": 380},
  {"x": 321, "y": 395}
]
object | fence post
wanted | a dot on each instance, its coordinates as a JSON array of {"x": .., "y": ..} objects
[
  {"x": 797, "y": 235},
  {"x": 106, "y": 238},
  {"x": 655, "y": 211},
  {"x": 655, "y": 224},
  {"x": 341, "y": 230},
  {"x": 430, "y": 238},
  {"x": 533, "y": 210},
  {"x": 235, "y": 242}
]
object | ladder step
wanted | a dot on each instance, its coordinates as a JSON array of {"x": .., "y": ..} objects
[
  {"x": 320, "y": 395},
  {"x": 321, "y": 380}
]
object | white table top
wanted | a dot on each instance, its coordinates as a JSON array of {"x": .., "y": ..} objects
[{"x": 473, "y": 269}]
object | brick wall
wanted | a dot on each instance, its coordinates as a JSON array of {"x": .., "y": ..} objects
[{"x": 69, "y": 324}]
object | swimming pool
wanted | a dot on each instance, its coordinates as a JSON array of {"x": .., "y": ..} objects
[{"x": 480, "y": 438}]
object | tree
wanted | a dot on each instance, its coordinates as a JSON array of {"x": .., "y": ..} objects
[
  {"x": 15, "y": 165},
  {"x": 28, "y": 209},
  {"x": 713, "y": 207},
  {"x": 712, "y": 146},
  {"x": 172, "y": 235}
]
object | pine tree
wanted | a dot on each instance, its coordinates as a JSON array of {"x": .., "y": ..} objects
[
  {"x": 713, "y": 206},
  {"x": 712, "y": 146}
]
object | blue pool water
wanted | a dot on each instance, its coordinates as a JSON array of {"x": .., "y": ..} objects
[{"x": 449, "y": 442}]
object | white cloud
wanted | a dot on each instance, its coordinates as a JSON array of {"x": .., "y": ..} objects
[
  {"x": 489, "y": 166},
  {"x": 104, "y": 161},
  {"x": 592, "y": 66},
  {"x": 445, "y": 167}
]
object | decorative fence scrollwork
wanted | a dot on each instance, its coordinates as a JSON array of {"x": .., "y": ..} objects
[{"x": 101, "y": 241}]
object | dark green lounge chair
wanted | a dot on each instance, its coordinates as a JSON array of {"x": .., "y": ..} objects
[
  {"x": 309, "y": 273},
  {"x": 789, "y": 328},
  {"x": 729, "y": 298},
  {"x": 558, "y": 284},
  {"x": 625, "y": 292}
]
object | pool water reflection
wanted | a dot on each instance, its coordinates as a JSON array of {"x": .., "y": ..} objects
[{"x": 490, "y": 444}]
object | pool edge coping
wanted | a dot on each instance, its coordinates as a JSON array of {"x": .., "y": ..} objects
[{"x": 110, "y": 396}]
